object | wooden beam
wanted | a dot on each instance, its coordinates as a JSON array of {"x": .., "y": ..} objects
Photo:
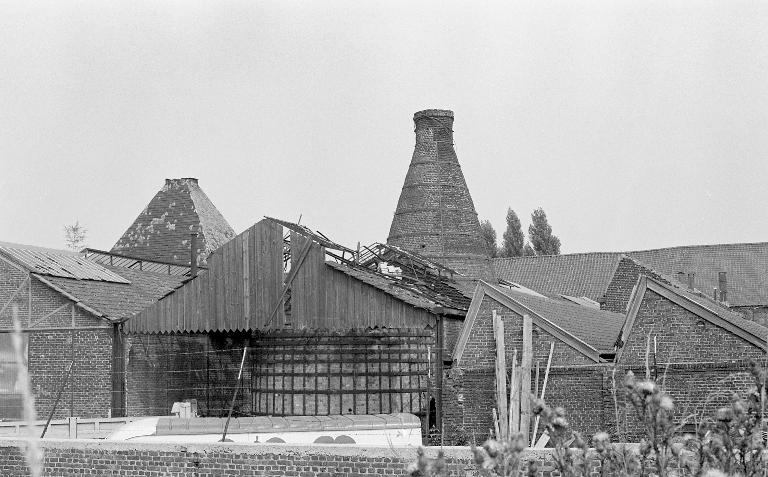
[
  {"x": 541, "y": 321},
  {"x": 543, "y": 386},
  {"x": 40, "y": 320},
  {"x": 501, "y": 376},
  {"x": 525, "y": 378},
  {"x": 13, "y": 295},
  {"x": 514, "y": 397},
  {"x": 469, "y": 322},
  {"x": 291, "y": 276}
]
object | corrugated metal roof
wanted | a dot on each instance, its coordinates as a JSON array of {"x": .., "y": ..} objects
[{"x": 59, "y": 263}]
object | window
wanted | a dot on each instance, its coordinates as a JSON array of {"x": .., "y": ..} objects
[{"x": 10, "y": 388}]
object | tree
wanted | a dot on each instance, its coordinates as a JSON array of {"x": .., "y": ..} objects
[
  {"x": 74, "y": 236},
  {"x": 540, "y": 234},
  {"x": 512, "y": 245},
  {"x": 489, "y": 235},
  {"x": 528, "y": 250}
]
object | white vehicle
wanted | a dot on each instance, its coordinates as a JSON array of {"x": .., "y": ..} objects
[{"x": 398, "y": 430}]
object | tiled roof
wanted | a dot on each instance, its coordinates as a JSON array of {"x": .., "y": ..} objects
[
  {"x": 162, "y": 230},
  {"x": 745, "y": 264},
  {"x": 58, "y": 263},
  {"x": 579, "y": 274},
  {"x": 390, "y": 286},
  {"x": 597, "y": 328},
  {"x": 119, "y": 301}
]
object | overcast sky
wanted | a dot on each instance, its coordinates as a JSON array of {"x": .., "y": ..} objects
[{"x": 634, "y": 124}]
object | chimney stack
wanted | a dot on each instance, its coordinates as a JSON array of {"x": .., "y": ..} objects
[
  {"x": 193, "y": 255},
  {"x": 435, "y": 215},
  {"x": 691, "y": 279},
  {"x": 722, "y": 283}
]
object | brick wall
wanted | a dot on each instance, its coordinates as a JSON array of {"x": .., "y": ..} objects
[
  {"x": 165, "y": 368},
  {"x": 575, "y": 382},
  {"x": 89, "y": 390},
  {"x": 286, "y": 372},
  {"x": 57, "y": 332},
  {"x": 681, "y": 336},
  {"x": 707, "y": 363},
  {"x": 435, "y": 215},
  {"x": 620, "y": 289},
  {"x": 106, "y": 458}
]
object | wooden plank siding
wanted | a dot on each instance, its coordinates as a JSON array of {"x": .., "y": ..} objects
[
  {"x": 244, "y": 280},
  {"x": 225, "y": 297}
]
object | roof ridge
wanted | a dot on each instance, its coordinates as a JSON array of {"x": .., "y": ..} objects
[
  {"x": 679, "y": 247},
  {"x": 735, "y": 318},
  {"x": 558, "y": 255},
  {"x": 675, "y": 283}
]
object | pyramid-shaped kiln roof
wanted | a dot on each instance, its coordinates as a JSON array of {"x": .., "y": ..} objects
[{"x": 162, "y": 230}]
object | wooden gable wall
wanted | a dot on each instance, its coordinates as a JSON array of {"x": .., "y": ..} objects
[{"x": 244, "y": 282}]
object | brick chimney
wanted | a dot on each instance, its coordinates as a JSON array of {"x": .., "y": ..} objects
[
  {"x": 722, "y": 283},
  {"x": 435, "y": 215}
]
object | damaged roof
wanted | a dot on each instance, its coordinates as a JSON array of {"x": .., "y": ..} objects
[
  {"x": 120, "y": 301},
  {"x": 598, "y": 328},
  {"x": 397, "y": 287},
  {"x": 111, "y": 292},
  {"x": 162, "y": 230},
  {"x": 58, "y": 263}
]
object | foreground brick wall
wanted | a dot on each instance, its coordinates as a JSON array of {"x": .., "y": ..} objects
[{"x": 104, "y": 458}]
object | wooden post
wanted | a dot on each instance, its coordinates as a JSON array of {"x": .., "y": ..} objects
[
  {"x": 525, "y": 378},
  {"x": 72, "y": 421},
  {"x": 514, "y": 397},
  {"x": 439, "y": 377},
  {"x": 501, "y": 376}
]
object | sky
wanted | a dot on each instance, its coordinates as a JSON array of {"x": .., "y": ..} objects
[{"x": 633, "y": 124}]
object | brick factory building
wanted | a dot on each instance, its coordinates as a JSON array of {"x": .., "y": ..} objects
[
  {"x": 405, "y": 325},
  {"x": 70, "y": 309}
]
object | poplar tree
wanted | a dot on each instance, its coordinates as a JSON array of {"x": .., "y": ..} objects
[
  {"x": 512, "y": 245},
  {"x": 540, "y": 234},
  {"x": 489, "y": 235}
]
